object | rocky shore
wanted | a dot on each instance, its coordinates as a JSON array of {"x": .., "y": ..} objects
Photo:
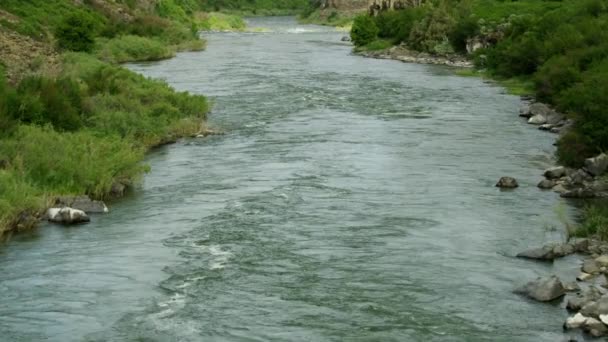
[{"x": 402, "y": 53}]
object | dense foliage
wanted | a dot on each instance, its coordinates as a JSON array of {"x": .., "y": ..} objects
[
  {"x": 561, "y": 46},
  {"x": 87, "y": 125},
  {"x": 364, "y": 31}
]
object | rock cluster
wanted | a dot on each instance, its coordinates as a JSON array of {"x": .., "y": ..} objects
[
  {"x": 74, "y": 209},
  {"x": 546, "y": 118},
  {"x": 581, "y": 183},
  {"x": 589, "y": 305},
  {"x": 402, "y": 53}
]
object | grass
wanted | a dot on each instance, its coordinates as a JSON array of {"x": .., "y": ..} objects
[
  {"x": 131, "y": 48},
  {"x": 122, "y": 115},
  {"x": 519, "y": 86},
  {"x": 377, "y": 45},
  {"x": 594, "y": 222},
  {"x": 216, "y": 21}
]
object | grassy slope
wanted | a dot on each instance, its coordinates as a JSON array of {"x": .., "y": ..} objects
[{"x": 71, "y": 123}]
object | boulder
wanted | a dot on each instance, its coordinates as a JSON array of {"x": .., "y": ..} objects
[
  {"x": 67, "y": 216},
  {"x": 580, "y": 245},
  {"x": 555, "y": 172},
  {"x": 575, "y": 322},
  {"x": 597, "y": 165},
  {"x": 543, "y": 289},
  {"x": 507, "y": 183},
  {"x": 543, "y": 253},
  {"x": 83, "y": 203},
  {"x": 602, "y": 260},
  {"x": 604, "y": 319},
  {"x": 537, "y": 120},
  {"x": 579, "y": 193},
  {"x": 592, "y": 294},
  {"x": 545, "y": 127},
  {"x": 591, "y": 266},
  {"x": 560, "y": 189},
  {"x": 546, "y": 184},
  {"x": 540, "y": 109},
  {"x": 595, "y": 327},
  {"x": 346, "y": 39},
  {"x": 597, "y": 308},
  {"x": 579, "y": 177},
  {"x": 584, "y": 276},
  {"x": 554, "y": 118}
]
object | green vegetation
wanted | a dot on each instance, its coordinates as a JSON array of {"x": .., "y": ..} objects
[
  {"x": 255, "y": 7},
  {"x": 594, "y": 223},
  {"x": 216, "y": 21},
  {"x": 88, "y": 125},
  {"x": 364, "y": 30},
  {"x": 557, "y": 50},
  {"x": 334, "y": 18}
]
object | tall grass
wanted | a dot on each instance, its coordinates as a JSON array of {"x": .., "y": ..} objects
[{"x": 132, "y": 48}]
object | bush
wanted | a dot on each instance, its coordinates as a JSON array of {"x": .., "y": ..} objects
[
  {"x": 462, "y": 31},
  {"x": 76, "y": 32},
  {"x": 44, "y": 100},
  {"x": 132, "y": 48},
  {"x": 364, "y": 30},
  {"x": 397, "y": 25}
]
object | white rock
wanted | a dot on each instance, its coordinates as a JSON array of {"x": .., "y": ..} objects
[
  {"x": 537, "y": 120},
  {"x": 602, "y": 260},
  {"x": 67, "y": 215},
  {"x": 575, "y": 322},
  {"x": 604, "y": 319}
]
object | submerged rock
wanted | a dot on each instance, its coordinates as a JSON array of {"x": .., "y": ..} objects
[
  {"x": 543, "y": 289},
  {"x": 67, "y": 216},
  {"x": 546, "y": 184},
  {"x": 507, "y": 183},
  {"x": 346, "y": 39},
  {"x": 579, "y": 193},
  {"x": 543, "y": 253},
  {"x": 597, "y": 308}
]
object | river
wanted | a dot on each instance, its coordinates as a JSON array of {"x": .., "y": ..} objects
[{"x": 351, "y": 199}]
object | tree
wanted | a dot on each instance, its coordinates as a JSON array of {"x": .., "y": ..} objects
[
  {"x": 364, "y": 30},
  {"x": 76, "y": 32}
]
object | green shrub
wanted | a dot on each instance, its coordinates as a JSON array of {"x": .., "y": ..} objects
[
  {"x": 54, "y": 101},
  {"x": 76, "y": 32},
  {"x": 132, "y": 48},
  {"x": 397, "y": 25},
  {"x": 461, "y": 32},
  {"x": 17, "y": 195},
  {"x": 364, "y": 30},
  {"x": 432, "y": 31}
]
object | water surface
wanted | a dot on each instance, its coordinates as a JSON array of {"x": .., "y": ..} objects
[{"x": 351, "y": 199}]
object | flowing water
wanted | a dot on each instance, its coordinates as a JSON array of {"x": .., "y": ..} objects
[{"x": 351, "y": 199}]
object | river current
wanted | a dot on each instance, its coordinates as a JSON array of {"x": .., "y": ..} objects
[{"x": 350, "y": 199}]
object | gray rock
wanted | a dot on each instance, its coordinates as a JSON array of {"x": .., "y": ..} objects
[
  {"x": 572, "y": 287},
  {"x": 546, "y": 184},
  {"x": 595, "y": 327},
  {"x": 543, "y": 253},
  {"x": 579, "y": 177},
  {"x": 346, "y": 39},
  {"x": 597, "y": 165},
  {"x": 579, "y": 193},
  {"x": 83, "y": 203},
  {"x": 602, "y": 260},
  {"x": 592, "y": 294},
  {"x": 580, "y": 245},
  {"x": 597, "y": 308},
  {"x": 555, "y": 172},
  {"x": 67, "y": 216},
  {"x": 554, "y": 118},
  {"x": 545, "y": 127},
  {"x": 543, "y": 289},
  {"x": 560, "y": 189},
  {"x": 507, "y": 182},
  {"x": 591, "y": 266},
  {"x": 575, "y": 322},
  {"x": 540, "y": 109},
  {"x": 584, "y": 276}
]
